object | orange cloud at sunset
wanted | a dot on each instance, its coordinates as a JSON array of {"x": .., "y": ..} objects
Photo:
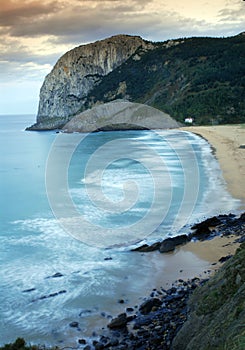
[{"x": 38, "y": 32}]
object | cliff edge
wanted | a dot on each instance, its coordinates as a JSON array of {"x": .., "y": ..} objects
[{"x": 76, "y": 73}]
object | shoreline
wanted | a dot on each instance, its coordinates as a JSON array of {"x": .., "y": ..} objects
[
  {"x": 192, "y": 260},
  {"x": 226, "y": 141},
  {"x": 201, "y": 259}
]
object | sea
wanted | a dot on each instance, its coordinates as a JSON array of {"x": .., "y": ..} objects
[{"x": 72, "y": 208}]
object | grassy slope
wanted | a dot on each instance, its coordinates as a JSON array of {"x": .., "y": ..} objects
[{"x": 217, "y": 311}]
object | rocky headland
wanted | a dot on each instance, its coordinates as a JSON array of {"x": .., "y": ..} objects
[
  {"x": 201, "y": 78},
  {"x": 76, "y": 73}
]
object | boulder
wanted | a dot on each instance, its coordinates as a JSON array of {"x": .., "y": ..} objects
[
  {"x": 148, "y": 305},
  {"x": 202, "y": 229},
  {"x": 119, "y": 322},
  {"x": 169, "y": 244}
]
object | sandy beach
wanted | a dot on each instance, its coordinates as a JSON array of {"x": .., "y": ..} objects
[
  {"x": 202, "y": 258},
  {"x": 227, "y": 141}
]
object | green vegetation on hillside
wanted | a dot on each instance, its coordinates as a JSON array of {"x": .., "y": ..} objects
[
  {"x": 20, "y": 344},
  {"x": 217, "y": 316},
  {"x": 202, "y": 78}
]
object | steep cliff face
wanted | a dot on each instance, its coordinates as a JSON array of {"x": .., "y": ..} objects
[{"x": 77, "y": 72}]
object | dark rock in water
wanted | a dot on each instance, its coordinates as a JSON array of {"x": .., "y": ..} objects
[
  {"x": 99, "y": 346},
  {"x": 169, "y": 244},
  {"x": 50, "y": 295},
  {"x": 203, "y": 228},
  {"x": 147, "y": 248},
  {"x": 62, "y": 291},
  {"x": 182, "y": 239},
  {"x": 87, "y": 347},
  {"x": 82, "y": 341},
  {"x": 28, "y": 290},
  {"x": 56, "y": 275},
  {"x": 141, "y": 248},
  {"x": 147, "y": 306},
  {"x": 119, "y": 322},
  {"x": 242, "y": 217},
  {"x": 225, "y": 258},
  {"x": 211, "y": 222},
  {"x": 228, "y": 224},
  {"x": 202, "y": 233},
  {"x": 121, "y": 301},
  {"x": 130, "y": 309},
  {"x": 74, "y": 324}
]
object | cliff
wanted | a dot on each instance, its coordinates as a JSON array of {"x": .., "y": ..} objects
[
  {"x": 77, "y": 72},
  {"x": 202, "y": 78}
]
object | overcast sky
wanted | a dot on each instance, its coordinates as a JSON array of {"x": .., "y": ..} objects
[{"x": 34, "y": 34}]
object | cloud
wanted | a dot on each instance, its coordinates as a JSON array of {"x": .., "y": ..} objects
[
  {"x": 56, "y": 18},
  {"x": 236, "y": 14},
  {"x": 17, "y": 12},
  {"x": 81, "y": 21},
  {"x": 34, "y": 34}
]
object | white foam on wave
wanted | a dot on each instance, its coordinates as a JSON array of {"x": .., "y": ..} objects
[
  {"x": 38, "y": 248},
  {"x": 216, "y": 198}
]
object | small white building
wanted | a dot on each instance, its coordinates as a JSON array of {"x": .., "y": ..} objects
[{"x": 189, "y": 120}]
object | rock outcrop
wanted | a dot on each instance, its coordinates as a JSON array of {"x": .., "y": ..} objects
[
  {"x": 120, "y": 115},
  {"x": 77, "y": 72}
]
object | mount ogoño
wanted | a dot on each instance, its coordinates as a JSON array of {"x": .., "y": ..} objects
[{"x": 202, "y": 78}]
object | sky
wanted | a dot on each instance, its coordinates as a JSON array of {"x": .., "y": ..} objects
[{"x": 34, "y": 34}]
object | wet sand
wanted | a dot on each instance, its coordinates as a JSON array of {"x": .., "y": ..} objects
[{"x": 194, "y": 259}]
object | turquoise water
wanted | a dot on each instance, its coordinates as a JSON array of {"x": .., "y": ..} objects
[{"x": 124, "y": 187}]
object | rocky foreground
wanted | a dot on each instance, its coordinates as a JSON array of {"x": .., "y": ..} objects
[{"x": 194, "y": 314}]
